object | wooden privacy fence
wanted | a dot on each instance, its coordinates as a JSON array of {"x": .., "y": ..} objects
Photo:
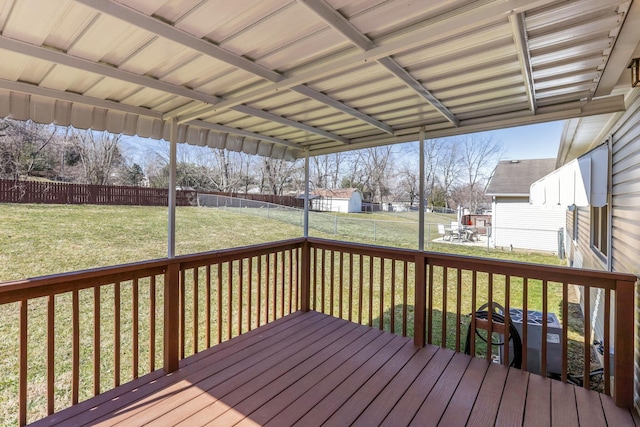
[
  {"x": 71, "y": 336},
  {"x": 62, "y": 193}
]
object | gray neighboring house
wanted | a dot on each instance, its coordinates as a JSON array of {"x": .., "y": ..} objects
[{"x": 517, "y": 223}]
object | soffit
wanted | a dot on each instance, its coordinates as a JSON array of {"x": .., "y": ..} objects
[{"x": 290, "y": 76}]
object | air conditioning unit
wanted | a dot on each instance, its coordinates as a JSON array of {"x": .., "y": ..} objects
[{"x": 534, "y": 340}]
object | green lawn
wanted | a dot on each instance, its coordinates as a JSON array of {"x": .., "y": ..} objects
[{"x": 44, "y": 239}]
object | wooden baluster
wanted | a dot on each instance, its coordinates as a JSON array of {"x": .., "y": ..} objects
[
  {"x": 240, "y": 294},
  {"x": 381, "y": 293},
  {"x": 392, "y": 326},
  {"x": 274, "y": 283},
  {"x": 543, "y": 363},
  {"x": 152, "y": 324},
  {"x": 405, "y": 290},
  {"x": 322, "y": 282},
  {"x": 587, "y": 335},
  {"x": 182, "y": 286},
  {"x": 419, "y": 298},
  {"x": 259, "y": 299},
  {"x": 282, "y": 275},
  {"x": 296, "y": 277},
  {"x": 268, "y": 286},
  {"x": 230, "y": 299},
  {"x": 250, "y": 291},
  {"x": 429, "y": 308},
  {"x": 472, "y": 325},
  {"x": 195, "y": 309},
  {"x": 135, "y": 327},
  {"x": 331, "y": 282},
  {"x": 445, "y": 282},
  {"x": 207, "y": 291},
  {"x": 458, "y": 308},
  {"x": 360, "y": 290},
  {"x": 490, "y": 318},
  {"x": 51, "y": 363},
  {"x": 507, "y": 318},
  {"x": 219, "y": 308},
  {"x": 350, "y": 286},
  {"x": 607, "y": 342},
  {"x": 22, "y": 391},
  {"x": 525, "y": 322},
  {"x": 116, "y": 335},
  {"x": 290, "y": 279},
  {"x": 371, "y": 261},
  {"x": 96, "y": 340},
  {"x": 565, "y": 330},
  {"x": 340, "y": 283}
]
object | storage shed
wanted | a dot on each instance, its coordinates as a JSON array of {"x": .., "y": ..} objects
[
  {"x": 517, "y": 223},
  {"x": 336, "y": 200}
]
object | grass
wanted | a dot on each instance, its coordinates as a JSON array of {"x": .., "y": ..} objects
[{"x": 44, "y": 239}]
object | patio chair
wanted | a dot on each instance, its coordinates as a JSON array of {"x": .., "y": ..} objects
[
  {"x": 455, "y": 230},
  {"x": 446, "y": 234}
]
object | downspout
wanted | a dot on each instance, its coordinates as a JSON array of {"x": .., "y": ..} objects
[
  {"x": 306, "y": 193},
  {"x": 609, "y": 203},
  {"x": 421, "y": 190},
  {"x": 171, "y": 240}
]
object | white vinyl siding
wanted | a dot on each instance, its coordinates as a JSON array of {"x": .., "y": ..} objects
[{"x": 520, "y": 225}]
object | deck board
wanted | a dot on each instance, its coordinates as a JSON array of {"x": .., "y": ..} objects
[
  {"x": 310, "y": 369},
  {"x": 511, "y": 411},
  {"x": 537, "y": 411},
  {"x": 459, "y": 408}
]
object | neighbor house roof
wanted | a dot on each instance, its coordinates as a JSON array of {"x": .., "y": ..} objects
[
  {"x": 280, "y": 78},
  {"x": 514, "y": 177},
  {"x": 335, "y": 193}
]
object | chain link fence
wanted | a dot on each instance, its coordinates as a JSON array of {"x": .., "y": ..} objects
[{"x": 401, "y": 233}]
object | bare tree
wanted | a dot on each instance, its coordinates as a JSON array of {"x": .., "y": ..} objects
[
  {"x": 325, "y": 171},
  {"x": 99, "y": 154},
  {"x": 28, "y": 149},
  {"x": 373, "y": 168},
  {"x": 276, "y": 175},
  {"x": 478, "y": 157}
]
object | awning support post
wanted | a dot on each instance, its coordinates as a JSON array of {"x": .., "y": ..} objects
[
  {"x": 421, "y": 191},
  {"x": 306, "y": 193},
  {"x": 173, "y": 148}
]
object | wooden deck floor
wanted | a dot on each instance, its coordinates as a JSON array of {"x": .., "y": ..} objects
[{"x": 310, "y": 369}]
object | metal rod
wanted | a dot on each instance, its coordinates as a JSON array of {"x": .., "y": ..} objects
[
  {"x": 171, "y": 242},
  {"x": 306, "y": 193},
  {"x": 421, "y": 191}
]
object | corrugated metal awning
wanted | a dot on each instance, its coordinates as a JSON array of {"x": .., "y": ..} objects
[
  {"x": 279, "y": 77},
  {"x": 581, "y": 182}
]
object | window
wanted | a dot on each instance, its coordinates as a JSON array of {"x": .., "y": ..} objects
[{"x": 600, "y": 229}]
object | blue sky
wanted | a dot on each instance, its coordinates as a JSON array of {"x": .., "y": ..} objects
[
  {"x": 525, "y": 142},
  {"x": 529, "y": 142}
]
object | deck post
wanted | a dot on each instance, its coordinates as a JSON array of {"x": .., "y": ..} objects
[
  {"x": 305, "y": 282},
  {"x": 623, "y": 363},
  {"x": 419, "y": 311},
  {"x": 171, "y": 317}
]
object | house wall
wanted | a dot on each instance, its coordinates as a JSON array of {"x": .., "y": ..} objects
[
  {"x": 516, "y": 222},
  {"x": 625, "y": 218},
  {"x": 625, "y": 207}
]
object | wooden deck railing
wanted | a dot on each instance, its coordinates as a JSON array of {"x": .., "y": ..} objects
[
  {"x": 80, "y": 334},
  {"x": 434, "y": 297}
]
